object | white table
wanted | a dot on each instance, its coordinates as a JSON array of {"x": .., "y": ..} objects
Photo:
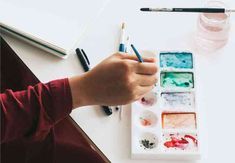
[{"x": 151, "y": 31}]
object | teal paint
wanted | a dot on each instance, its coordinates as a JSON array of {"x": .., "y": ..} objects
[
  {"x": 176, "y": 80},
  {"x": 183, "y": 60}
]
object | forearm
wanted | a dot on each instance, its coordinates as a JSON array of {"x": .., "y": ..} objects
[
  {"x": 32, "y": 112},
  {"x": 78, "y": 91}
]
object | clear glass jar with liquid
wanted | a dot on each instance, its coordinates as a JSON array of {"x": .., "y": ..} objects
[{"x": 213, "y": 28}]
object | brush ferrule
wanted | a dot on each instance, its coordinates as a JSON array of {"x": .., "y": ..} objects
[{"x": 162, "y": 9}]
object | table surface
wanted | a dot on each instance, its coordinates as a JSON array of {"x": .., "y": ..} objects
[{"x": 149, "y": 31}]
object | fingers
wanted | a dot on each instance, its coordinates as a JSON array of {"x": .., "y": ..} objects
[
  {"x": 133, "y": 57},
  {"x": 146, "y": 80},
  {"x": 146, "y": 68},
  {"x": 143, "y": 90}
]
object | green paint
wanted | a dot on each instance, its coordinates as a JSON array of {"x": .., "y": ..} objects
[{"x": 177, "y": 80}]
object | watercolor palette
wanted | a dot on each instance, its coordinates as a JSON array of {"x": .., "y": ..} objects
[{"x": 165, "y": 120}]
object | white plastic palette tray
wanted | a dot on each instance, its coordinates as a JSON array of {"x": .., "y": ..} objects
[{"x": 165, "y": 121}]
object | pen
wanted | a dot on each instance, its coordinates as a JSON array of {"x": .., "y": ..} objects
[
  {"x": 86, "y": 66},
  {"x": 205, "y": 10}
]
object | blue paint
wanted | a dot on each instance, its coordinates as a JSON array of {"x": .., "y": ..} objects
[{"x": 183, "y": 60}]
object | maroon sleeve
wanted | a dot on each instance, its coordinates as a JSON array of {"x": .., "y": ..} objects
[{"x": 31, "y": 113}]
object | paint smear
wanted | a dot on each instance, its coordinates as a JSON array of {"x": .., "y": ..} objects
[
  {"x": 148, "y": 118},
  {"x": 177, "y": 79},
  {"x": 145, "y": 121},
  {"x": 183, "y": 60},
  {"x": 148, "y": 141},
  {"x": 174, "y": 100},
  {"x": 182, "y": 142},
  {"x": 149, "y": 99},
  {"x": 177, "y": 120},
  {"x": 147, "y": 144}
]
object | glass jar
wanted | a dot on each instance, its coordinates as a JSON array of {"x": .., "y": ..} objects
[{"x": 213, "y": 28}]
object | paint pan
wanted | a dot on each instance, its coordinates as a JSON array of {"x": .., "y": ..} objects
[
  {"x": 177, "y": 80},
  {"x": 149, "y": 99},
  {"x": 148, "y": 141},
  {"x": 179, "y": 60},
  {"x": 147, "y": 119},
  {"x": 180, "y": 142},
  {"x": 179, "y": 120},
  {"x": 174, "y": 100}
]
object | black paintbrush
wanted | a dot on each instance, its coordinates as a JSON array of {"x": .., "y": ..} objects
[{"x": 205, "y": 10}]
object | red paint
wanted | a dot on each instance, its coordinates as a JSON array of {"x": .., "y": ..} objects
[
  {"x": 174, "y": 142},
  {"x": 191, "y": 137},
  {"x": 143, "y": 99},
  {"x": 179, "y": 143}
]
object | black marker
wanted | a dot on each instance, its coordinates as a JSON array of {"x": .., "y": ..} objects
[{"x": 86, "y": 66}]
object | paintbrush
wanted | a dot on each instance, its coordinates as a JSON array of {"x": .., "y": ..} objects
[
  {"x": 205, "y": 10},
  {"x": 122, "y": 48},
  {"x": 122, "y": 39},
  {"x": 139, "y": 56}
]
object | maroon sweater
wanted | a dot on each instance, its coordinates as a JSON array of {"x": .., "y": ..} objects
[
  {"x": 35, "y": 122},
  {"x": 33, "y": 112}
]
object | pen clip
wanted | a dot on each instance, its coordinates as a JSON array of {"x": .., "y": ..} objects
[{"x": 83, "y": 52}]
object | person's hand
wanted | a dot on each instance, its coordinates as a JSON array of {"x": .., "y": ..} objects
[{"x": 119, "y": 79}]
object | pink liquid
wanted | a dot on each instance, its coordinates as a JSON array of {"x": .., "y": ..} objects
[
  {"x": 214, "y": 17},
  {"x": 213, "y": 30}
]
